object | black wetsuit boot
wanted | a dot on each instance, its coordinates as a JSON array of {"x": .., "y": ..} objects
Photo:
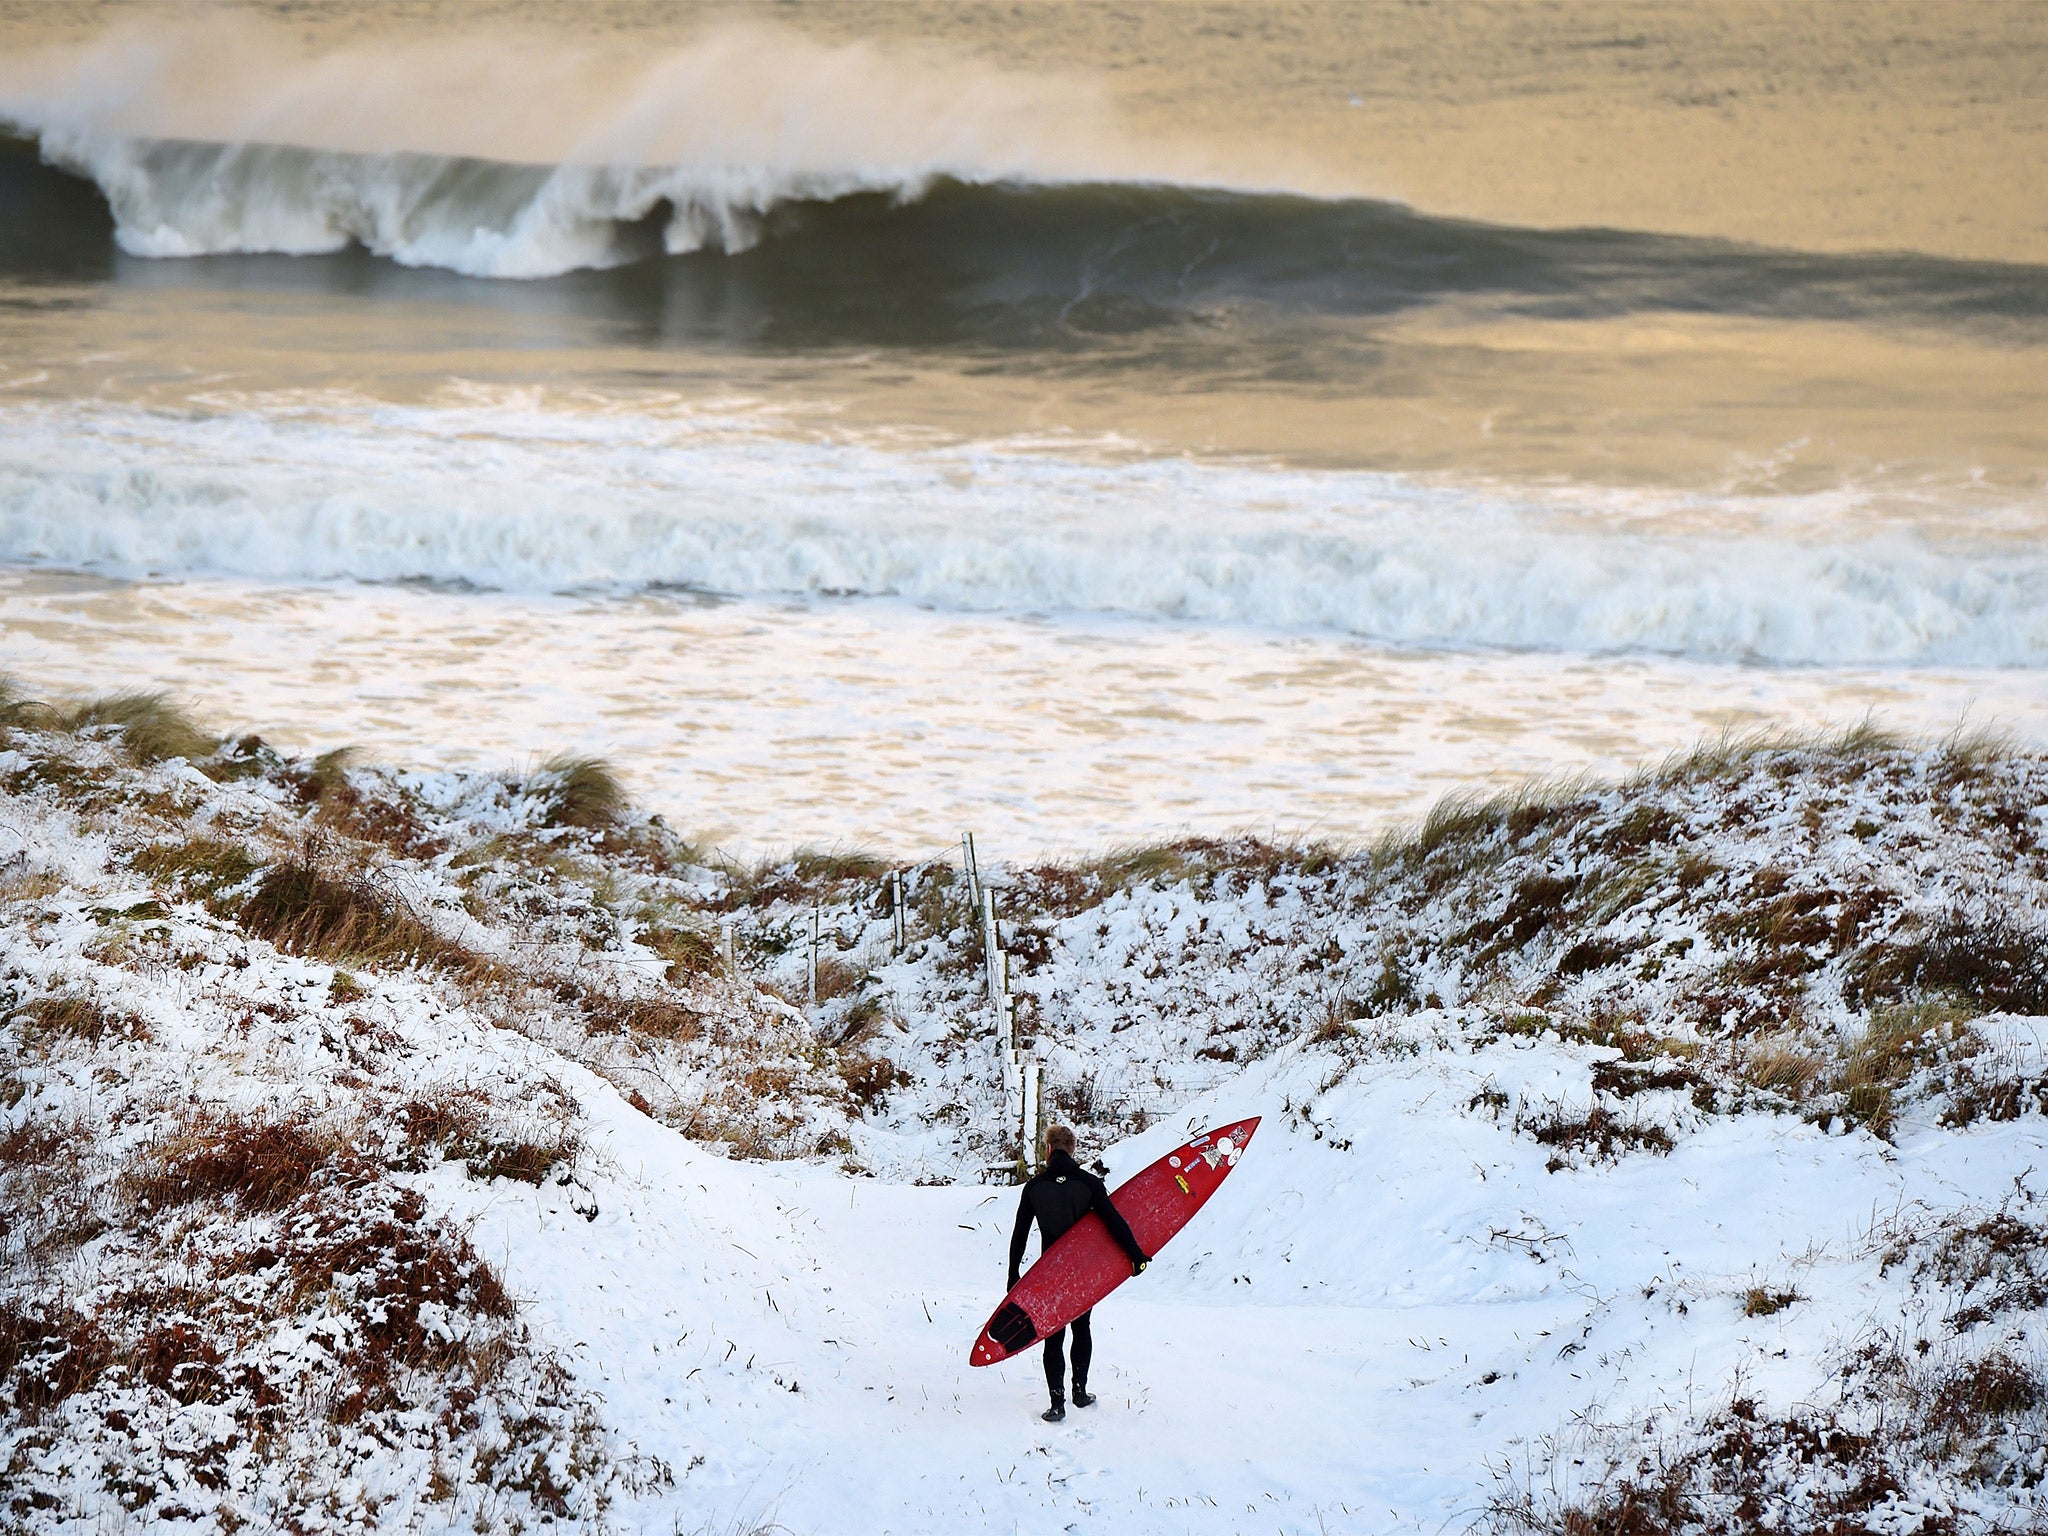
[{"x": 1056, "y": 1375}]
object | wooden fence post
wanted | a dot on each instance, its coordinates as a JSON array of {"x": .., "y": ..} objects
[
  {"x": 991, "y": 945},
  {"x": 1032, "y": 1086}
]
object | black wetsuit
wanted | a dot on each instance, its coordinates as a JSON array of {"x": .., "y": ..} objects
[{"x": 1056, "y": 1199}]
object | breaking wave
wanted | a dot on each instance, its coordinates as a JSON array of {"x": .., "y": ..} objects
[
  {"x": 478, "y": 218},
  {"x": 519, "y": 158},
  {"x": 517, "y": 497},
  {"x": 845, "y": 191},
  {"x": 823, "y": 256}
]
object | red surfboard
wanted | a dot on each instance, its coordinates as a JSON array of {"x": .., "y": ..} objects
[{"x": 1085, "y": 1265}]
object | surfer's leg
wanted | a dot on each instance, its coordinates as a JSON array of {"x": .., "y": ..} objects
[
  {"x": 1056, "y": 1364},
  {"x": 1084, "y": 1351}
]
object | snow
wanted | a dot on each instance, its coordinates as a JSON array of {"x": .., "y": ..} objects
[
  {"x": 1399, "y": 1304},
  {"x": 1350, "y": 1337}
]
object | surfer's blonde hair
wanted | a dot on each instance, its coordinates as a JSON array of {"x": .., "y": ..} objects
[{"x": 1058, "y": 1139}]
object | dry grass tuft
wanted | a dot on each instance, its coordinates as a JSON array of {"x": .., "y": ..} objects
[
  {"x": 862, "y": 1020},
  {"x": 71, "y": 1016},
  {"x": 1781, "y": 1067},
  {"x": 47, "y": 1352},
  {"x": 436, "y": 1122},
  {"x": 243, "y": 757},
  {"x": 1997, "y": 1260},
  {"x": 1994, "y": 1387},
  {"x": 152, "y": 727},
  {"x": 1995, "y": 963},
  {"x": 1599, "y": 1132},
  {"x": 364, "y": 809},
  {"x": 1064, "y": 890},
  {"x": 1897, "y": 1042},
  {"x": 324, "y": 777},
  {"x": 838, "y": 865},
  {"x": 1733, "y": 752},
  {"x": 1971, "y": 748},
  {"x": 22, "y": 882},
  {"x": 1465, "y": 821},
  {"x": 261, "y": 1165},
  {"x": 205, "y": 865},
  {"x": 34, "y": 1143},
  {"x": 836, "y": 978},
  {"x": 658, "y": 1018},
  {"x": 806, "y": 877},
  {"x": 527, "y": 1158},
  {"x": 454, "y": 1126},
  {"x": 1626, "y": 1077},
  {"x": 1761, "y": 1301},
  {"x": 1995, "y": 1086},
  {"x": 689, "y": 952},
  {"x": 400, "y": 1265},
  {"x": 182, "y": 1360},
  {"x": 1155, "y": 865},
  {"x": 17, "y": 709},
  {"x": 1334, "y": 1025},
  {"x": 346, "y": 916},
  {"x": 581, "y": 792},
  {"x": 870, "y": 1078},
  {"x": 381, "y": 814}
]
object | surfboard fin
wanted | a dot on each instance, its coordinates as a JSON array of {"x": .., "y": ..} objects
[{"x": 1012, "y": 1328}]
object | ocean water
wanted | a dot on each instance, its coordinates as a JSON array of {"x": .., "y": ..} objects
[{"x": 865, "y": 422}]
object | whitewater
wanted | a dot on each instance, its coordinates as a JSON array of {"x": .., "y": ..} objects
[
  {"x": 508, "y": 495},
  {"x": 801, "y": 633},
  {"x": 894, "y": 438}
]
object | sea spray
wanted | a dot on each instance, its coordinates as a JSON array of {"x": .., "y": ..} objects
[{"x": 517, "y": 157}]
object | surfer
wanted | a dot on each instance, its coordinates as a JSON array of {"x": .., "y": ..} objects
[{"x": 1060, "y": 1195}]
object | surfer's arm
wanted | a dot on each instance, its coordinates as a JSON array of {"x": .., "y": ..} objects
[
  {"x": 1018, "y": 1235},
  {"x": 1112, "y": 1218}
]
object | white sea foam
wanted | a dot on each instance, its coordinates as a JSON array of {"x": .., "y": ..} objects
[
  {"x": 521, "y": 496},
  {"x": 480, "y": 219},
  {"x": 512, "y": 159}
]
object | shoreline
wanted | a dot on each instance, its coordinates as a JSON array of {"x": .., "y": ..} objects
[{"x": 872, "y": 723}]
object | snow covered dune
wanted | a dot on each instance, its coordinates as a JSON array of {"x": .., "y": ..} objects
[
  {"x": 1412, "y": 1329},
  {"x": 383, "y": 1151}
]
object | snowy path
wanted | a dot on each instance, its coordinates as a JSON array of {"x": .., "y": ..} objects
[{"x": 1350, "y": 1340}]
